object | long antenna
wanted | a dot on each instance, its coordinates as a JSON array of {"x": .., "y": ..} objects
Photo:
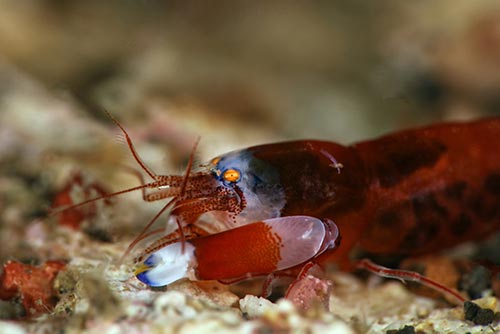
[{"x": 132, "y": 148}]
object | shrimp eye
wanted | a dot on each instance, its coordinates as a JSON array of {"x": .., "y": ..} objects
[
  {"x": 215, "y": 161},
  {"x": 232, "y": 175}
]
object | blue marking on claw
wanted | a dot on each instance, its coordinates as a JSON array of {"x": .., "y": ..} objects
[
  {"x": 150, "y": 261},
  {"x": 144, "y": 278}
]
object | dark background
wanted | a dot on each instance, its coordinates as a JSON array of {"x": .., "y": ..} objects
[{"x": 342, "y": 70}]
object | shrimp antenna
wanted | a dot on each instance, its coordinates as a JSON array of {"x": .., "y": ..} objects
[
  {"x": 158, "y": 182},
  {"x": 77, "y": 205},
  {"x": 143, "y": 234},
  {"x": 137, "y": 158},
  {"x": 132, "y": 148}
]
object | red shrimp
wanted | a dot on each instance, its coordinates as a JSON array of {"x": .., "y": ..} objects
[{"x": 408, "y": 193}]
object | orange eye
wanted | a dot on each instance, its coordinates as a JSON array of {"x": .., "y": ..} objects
[
  {"x": 232, "y": 175},
  {"x": 215, "y": 161}
]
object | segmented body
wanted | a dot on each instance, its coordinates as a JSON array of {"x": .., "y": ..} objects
[{"x": 408, "y": 193}]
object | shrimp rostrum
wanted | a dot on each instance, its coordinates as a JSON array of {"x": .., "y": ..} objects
[{"x": 277, "y": 207}]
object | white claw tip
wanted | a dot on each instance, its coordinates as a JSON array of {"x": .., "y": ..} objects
[{"x": 167, "y": 265}]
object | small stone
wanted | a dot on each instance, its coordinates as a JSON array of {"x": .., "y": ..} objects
[{"x": 478, "y": 315}]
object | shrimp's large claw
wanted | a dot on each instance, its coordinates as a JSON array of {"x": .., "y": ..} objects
[{"x": 255, "y": 249}]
